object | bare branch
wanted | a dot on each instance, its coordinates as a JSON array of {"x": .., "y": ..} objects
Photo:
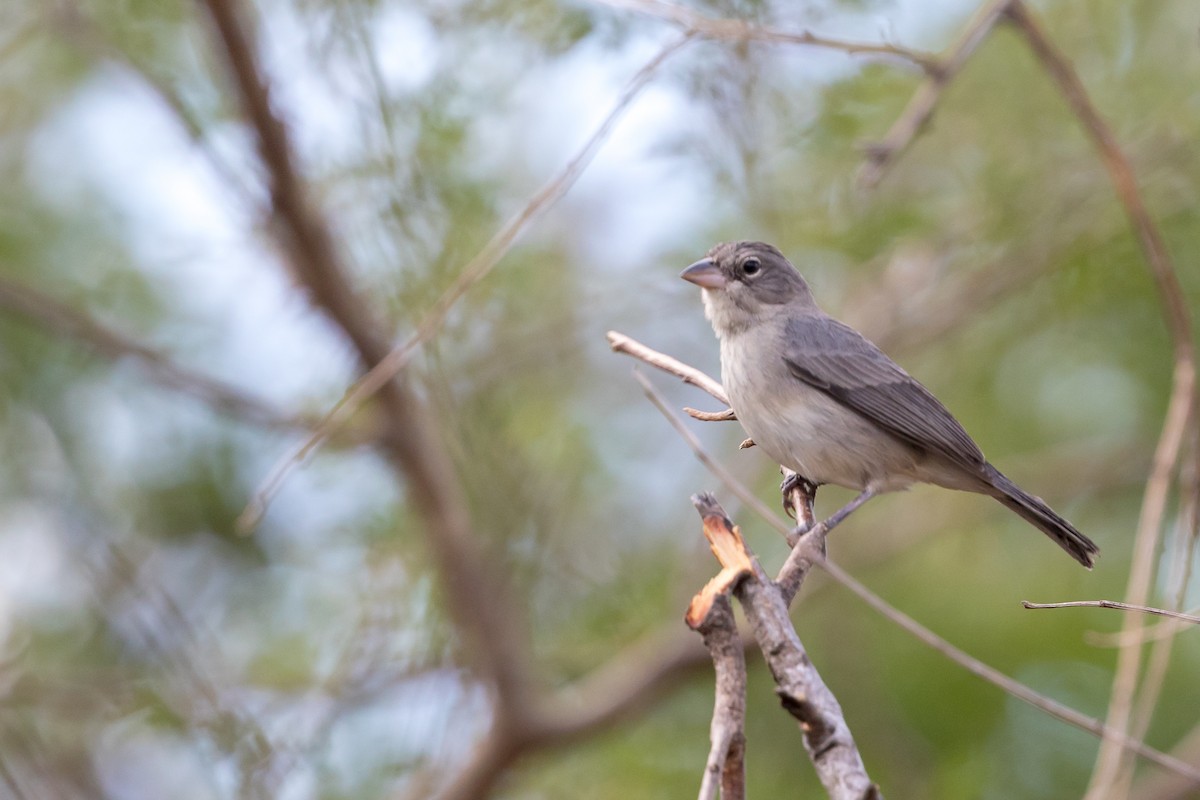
[
  {"x": 740, "y": 31},
  {"x": 801, "y": 690},
  {"x": 882, "y": 154},
  {"x": 714, "y": 466},
  {"x": 621, "y": 343},
  {"x": 1162, "y": 612},
  {"x": 710, "y": 416}
]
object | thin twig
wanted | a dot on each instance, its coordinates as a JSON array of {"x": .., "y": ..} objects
[
  {"x": 710, "y": 416},
  {"x": 621, "y": 343},
  {"x": 714, "y": 466},
  {"x": 1159, "y": 661},
  {"x": 1162, "y": 612},
  {"x": 740, "y": 31},
  {"x": 882, "y": 154},
  {"x": 390, "y": 365}
]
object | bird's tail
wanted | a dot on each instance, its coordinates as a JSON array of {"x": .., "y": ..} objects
[{"x": 1034, "y": 511}]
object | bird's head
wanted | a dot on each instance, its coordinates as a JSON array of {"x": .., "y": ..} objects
[{"x": 746, "y": 283}]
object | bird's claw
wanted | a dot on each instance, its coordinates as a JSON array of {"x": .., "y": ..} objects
[{"x": 797, "y": 486}]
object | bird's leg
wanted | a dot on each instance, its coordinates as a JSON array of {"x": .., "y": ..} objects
[
  {"x": 848, "y": 509},
  {"x": 799, "y": 494}
]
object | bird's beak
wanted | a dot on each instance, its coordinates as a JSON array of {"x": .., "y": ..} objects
[{"x": 706, "y": 274}]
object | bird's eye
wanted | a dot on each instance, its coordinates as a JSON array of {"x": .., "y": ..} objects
[{"x": 751, "y": 266}]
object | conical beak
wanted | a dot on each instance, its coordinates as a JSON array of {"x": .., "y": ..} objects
[{"x": 706, "y": 274}]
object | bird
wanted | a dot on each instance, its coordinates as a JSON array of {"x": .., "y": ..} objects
[{"x": 822, "y": 400}]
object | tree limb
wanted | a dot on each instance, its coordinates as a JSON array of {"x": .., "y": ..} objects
[
  {"x": 801, "y": 690},
  {"x": 1162, "y": 612}
]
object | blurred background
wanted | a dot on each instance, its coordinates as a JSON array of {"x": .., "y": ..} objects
[{"x": 150, "y": 651}]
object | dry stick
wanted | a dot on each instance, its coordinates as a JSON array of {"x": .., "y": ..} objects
[
  {"x": 739, "y": 31},
  {"x": 1180, "y": 416},
  {"x": 390, "y": 365},
  {"x": 1162, "y": 612},
  {"x": 63, "y": 320},
  {"x": 928, "y": 637},
  {"x": 477, "y": 601},
  {"x": 803, "y": 693},
  {"x": 714, "y": 466},
  {"x": 620, "y": 343},
  {"x": 882, "y": 154},
  {"x": 725, "y": 769}
]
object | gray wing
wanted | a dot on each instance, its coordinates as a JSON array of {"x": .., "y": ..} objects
[{"x": 838, "y": 360}]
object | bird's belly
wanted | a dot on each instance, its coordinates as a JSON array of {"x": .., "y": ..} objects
[{"x": 827, "y": 443}]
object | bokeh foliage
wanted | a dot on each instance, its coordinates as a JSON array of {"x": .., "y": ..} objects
[{"x": 149, "y": 651}]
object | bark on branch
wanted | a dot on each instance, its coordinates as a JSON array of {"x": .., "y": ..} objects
[{"x": 802, "y": 692}]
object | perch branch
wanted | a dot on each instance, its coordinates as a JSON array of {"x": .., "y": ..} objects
[{"x": 801, "y": 690}]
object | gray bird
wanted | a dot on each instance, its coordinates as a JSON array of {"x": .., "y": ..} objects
[{"x": 820, "y": 399}]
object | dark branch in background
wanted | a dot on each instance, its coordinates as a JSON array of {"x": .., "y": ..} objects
[
  {"x": 478, "y": 604},
  {"x": 63, "y": 320},
  {"x": 923, "y": 634},
  {"x": 387, "y": 368}
]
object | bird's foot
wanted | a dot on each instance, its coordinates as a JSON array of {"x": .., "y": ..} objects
[{"x": 799, "y": 494}]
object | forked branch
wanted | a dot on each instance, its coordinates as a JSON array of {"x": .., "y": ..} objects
[{"x": 803, "y": 693}]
